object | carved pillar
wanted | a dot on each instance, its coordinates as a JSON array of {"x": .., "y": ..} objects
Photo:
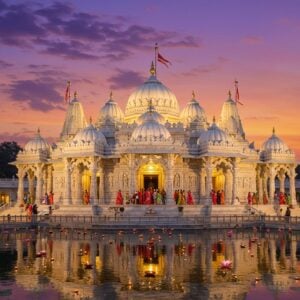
[
  {"x": 93, "y": 187},
  {"x": 170, "y": 177},
  {"x": 272, "y": 246},
  {"x": 202, "y": 183},
  {"x": 260, "y": 187},
  {"x": 30, "y": 177},
  {"x": 292, "y": 185},
  {"x": 78, "y": 199},
  {"x": 209, "y": 185},
  {"x": 293, "y": 260},
  {"x": 50, "y": 180},
  {"x": 39, "y": 183},
  {"x": 45, "y": 182},
  {"x": 67, "y": 199},
  {"x": 265, "y": 186},
  {"x": 20, "y": 187},
  {"x": 228, "y": 188},
  {"x": 66, "y": 260},
  {"x": 281, "y": 182},
  {"x": 101, "y": 186},
  {"x": 132, "y": 174},
  {"x": 234, "y": 179},
  {"x": 272, "y": 184}
]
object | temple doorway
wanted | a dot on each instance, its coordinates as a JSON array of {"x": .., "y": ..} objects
[
  {"x": 151, "y": 181},
  {"x": 151, "y": 175}
]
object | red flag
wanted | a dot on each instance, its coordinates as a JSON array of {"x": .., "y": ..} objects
[
  {"x": 163, "y": 60},
  {"x": 237, "y": 94},
  {"x": 68, "y": 93}
]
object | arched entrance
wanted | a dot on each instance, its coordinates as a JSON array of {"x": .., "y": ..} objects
[
  {"x": 151, "y": 175},
  {"x": 218, "y": 180}
]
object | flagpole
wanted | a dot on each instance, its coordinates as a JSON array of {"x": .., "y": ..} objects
[{"x": 155, "y": 57}]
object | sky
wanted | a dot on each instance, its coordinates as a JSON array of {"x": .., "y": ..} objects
[{"x": 103, "y": 46}]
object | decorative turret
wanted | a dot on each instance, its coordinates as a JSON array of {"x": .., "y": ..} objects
[
  {"x": 110, "y": 112},
  {"x": 230, "y": 120},
  {"x": 163, "y": 99},
  {"x": 74, "y": 121},
  {"x": 193, "y": 112},
  {"x": 37, "y": 144}
]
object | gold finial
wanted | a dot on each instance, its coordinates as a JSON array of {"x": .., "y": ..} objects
[
  {"x": 110, "y": 95},
  {"x": 214, "y": 119},
  {"x": 38, "y": 130},
  {"x": 75, "y": 95},
  {"x": 91, "y": 120},
  {"x": 193, "y": 95},
  {"x": 152, "y": 69},
  {"x": 273, "y": 130},
  {"x": 229, "y": 94}
]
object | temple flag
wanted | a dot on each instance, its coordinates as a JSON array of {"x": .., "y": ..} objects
[
  {"x": 237, "y": 93},
  {"x": 68, "y": 93},
  {"x": 163, "y": 60}
]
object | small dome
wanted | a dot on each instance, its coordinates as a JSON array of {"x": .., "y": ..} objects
[
  {"x": 193, "y": 112},
  {"x": 37, "y": 143},
  {"x": 213, "y": 134},
  {"x": 164, "y": 100},
  {"x": 89, "y": 135},
  {"x": 150, "y": 129},
  {"x": 274, "y": 143},
  {"x": 111, "y": 111},
  {"x": 154, "y": 114}
]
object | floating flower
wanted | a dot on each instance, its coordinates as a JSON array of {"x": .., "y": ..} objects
[{"x": 226, "y": 264}]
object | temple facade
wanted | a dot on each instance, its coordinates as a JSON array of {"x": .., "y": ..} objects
[{"x": 154, "y": 144}]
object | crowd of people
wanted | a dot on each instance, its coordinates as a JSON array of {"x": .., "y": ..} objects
[
  {"x": 217, "y": 198},
  {"x": 146, "y": 197},
  {"x": 279, "y": 198},
  {"x": 181, "y": 198}
]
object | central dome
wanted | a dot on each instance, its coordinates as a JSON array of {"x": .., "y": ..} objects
[
  {"x": 150, "y": 130},
  {"x": 162, "y": 98}
]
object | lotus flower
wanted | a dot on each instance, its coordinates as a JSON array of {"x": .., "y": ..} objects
[{"x": 226, "y": 264}]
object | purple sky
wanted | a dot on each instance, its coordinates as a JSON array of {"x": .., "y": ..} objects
[{"x": 108, "y": 45}]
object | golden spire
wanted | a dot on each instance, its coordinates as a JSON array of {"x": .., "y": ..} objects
[
  {"x": 273, "y": 130},
  {"x": 214, "y": 119},
  {"x": 75, "y": 95},
  {"x": 91, "y": 120},
  {"x": 110, "y": 95},
  {"x": 193, "y": 95},
  {"x": 152, "y": 69},
  {"x": 229, "y": 94},
  {"x": 38, "y": 130}
]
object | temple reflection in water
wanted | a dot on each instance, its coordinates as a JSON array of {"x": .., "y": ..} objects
[{"x": 210, "y": 265}]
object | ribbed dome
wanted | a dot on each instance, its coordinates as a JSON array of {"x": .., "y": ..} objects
[
  {"x": 150, "y": 130},
  {"x": 164, "y": 100},
  {"x": 213, "y": 134},
  {"x": 89, "y": 135},
  {"x": 274, "y": 143},
  {"x": 111, "y": 111},
  {"x": 192, "y": 112},
  {"x": 37, "y": 143}
]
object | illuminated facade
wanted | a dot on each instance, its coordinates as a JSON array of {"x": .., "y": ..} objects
[{"x": 153, "y": 144}]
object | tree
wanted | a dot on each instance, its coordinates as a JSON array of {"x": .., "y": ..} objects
[{"x": 8, "y": 153}]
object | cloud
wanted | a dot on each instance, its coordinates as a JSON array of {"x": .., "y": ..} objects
[
  {"x": 125, "y": 79},
  {"x": 4, "y": 64},
  {"x": 59, "y": 29},
  {"x": 252, "y": 40},
  {"x": 69, "y": 50},
  {"x": 262, "y": 118},
  {"x": 39, "y": 94},
  {"x": 209, "y": 68},
  {"x": 18, "y": 25}
]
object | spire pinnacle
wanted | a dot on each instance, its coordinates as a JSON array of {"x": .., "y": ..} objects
[
  {"x": 229, "y": 94},
  {"x": 273, "y": 130},
  {"x": 193, "y": 95},
  {"x": 75, "y": 95},
  {"x": 110, "y": 95},
  {"x": 91, "y": 120},
  {"x": 152, "y": 69},
  {"x": 214, "y": 119},
  {"x": 38, "y": 130}
]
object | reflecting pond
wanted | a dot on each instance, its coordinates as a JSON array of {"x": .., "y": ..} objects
[{"x": 136, "y": 264}]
